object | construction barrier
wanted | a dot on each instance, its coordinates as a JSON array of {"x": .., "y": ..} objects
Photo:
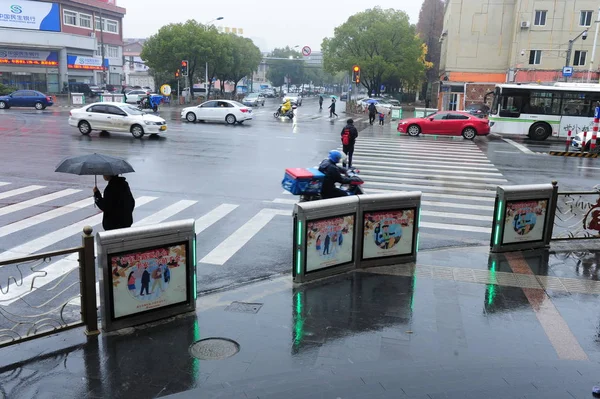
[
  {"x": 573, "y": 154},
  {"x": 595, "y": 129},
  {"x": 569, "y": 140}
]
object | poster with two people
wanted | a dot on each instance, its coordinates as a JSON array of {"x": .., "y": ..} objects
[{"x": 330, "y": 242}]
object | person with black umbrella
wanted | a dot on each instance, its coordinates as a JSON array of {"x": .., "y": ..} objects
[{"x": 117, "y": 204}]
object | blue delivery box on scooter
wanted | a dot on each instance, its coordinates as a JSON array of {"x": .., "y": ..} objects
[{"x": 302, "y": 181}]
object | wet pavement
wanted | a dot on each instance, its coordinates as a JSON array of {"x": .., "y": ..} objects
[{"x": 457, "y": 324}]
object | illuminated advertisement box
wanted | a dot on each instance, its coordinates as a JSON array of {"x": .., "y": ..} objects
[
  {"x": 35, "y": 15},
  {"x": 28, "y": 57},
  {"x": 86, "y": 63},
  {"x": 148, "y": 273}
]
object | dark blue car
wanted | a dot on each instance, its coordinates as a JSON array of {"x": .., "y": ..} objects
[{"x": 26, "y": 98}]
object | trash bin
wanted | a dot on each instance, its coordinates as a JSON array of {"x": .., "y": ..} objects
[
  {"x": 118, "y": 98},
  {"x": 396, "y": 113},
  {"x": 77, "y": 98}
]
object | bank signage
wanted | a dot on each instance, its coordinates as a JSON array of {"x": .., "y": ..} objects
[
  {"x": 35, "y": 15},
  {"x": 90, "y": 63}
]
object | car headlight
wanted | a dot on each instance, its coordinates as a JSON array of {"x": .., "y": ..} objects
[{"x": 152, "y": 123}]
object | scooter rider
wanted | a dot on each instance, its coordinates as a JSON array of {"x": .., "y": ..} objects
[
  {"x": 287, "y": 105},
  {"x": 333, "y": 174}
]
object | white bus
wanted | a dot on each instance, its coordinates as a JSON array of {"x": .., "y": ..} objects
[{"x": 540, "y": 111}]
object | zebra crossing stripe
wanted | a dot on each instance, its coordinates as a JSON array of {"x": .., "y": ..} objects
[
  {"x": 401, "y": 153},
  {"x": 66, "y": 265},
  {"x": 457, "y": 205},
  {"x": 418, "y": 147},
  {"x": 457, "y": 215},
  {"x": 424, "y": 163},
  {"x": 44, "y": 217},
  {"x": 459, "y": 227},
  {"x": 425, "y": 182},
  {"x": 439, "y": 188},
  {"x": 213, "y": 216},
  {"x": 40, "y": 243},
  {"x": 421, "y": 158},
  {"x": 241, "y": 236},
  {"x": 462, "y": 173},
  {"x": 19, "y": 191},
  {"x": 3, "y": 183},
  {"x": 36, "y": 201},
  {"x": 428, "y": 176}
]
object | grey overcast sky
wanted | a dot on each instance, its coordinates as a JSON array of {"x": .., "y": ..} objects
[{"x": 270, "y": 23}]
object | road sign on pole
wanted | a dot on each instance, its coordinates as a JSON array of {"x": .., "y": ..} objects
[
  {"x": 306, "y": 51},
  {"x": 567, "y": 71}
]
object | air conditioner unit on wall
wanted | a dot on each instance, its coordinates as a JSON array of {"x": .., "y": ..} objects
[{"x": 524, "y": 24}]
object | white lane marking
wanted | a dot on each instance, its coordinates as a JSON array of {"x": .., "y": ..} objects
[
  {"x": 445, "y": 143},
  {"x": 424, "y": 182},
  {"x": 36, "y": 201},
  {"x": 427, "y": 164},
  {"x": 327, "y": 141},
  {"x": 421, "y": 153},
  {"x": 421, "y": 158},
  {"x": 458, "y": 227},
  {"x": 284, "y": 201},
  {"x": 285, "y": 137},
  {"x": 44, "y": 217},
  {"x": 456, "y": 205},
  {"x": 241, "y": 236},
  {"x": 287, "y": 193},
  {"x": 66, "y": 265},
  {"x": 587, "y": 167},
  {"x": 462, "y": 172},
  {"x": 466, "y": 151},
  {"x": 166, "y": 213},
  {"x": 213, "y": 217},
  {"x": 434, "y": 195},
  {"x": 51, "y": 238},
  {"x": 457, "y": 216},
  {"x": 440, "y": 188},
  {"x": 426, "y": 177},
  {"x": 519, "y": 146},
  {"x": 507, "y": 152},
  {"x": 19, "y": 191},
  {"x": 3, "y": 183}
]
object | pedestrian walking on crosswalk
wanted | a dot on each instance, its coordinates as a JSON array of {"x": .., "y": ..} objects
[
  {"x": 332, "y": 109},
  {"x": 349, "y": 136},
  {"x": 117, "y": 204}
]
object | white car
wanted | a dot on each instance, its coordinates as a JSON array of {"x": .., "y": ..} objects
[
  {"x": 135, "y": 95},
  {"x": 116, "y": 117},
  {"x": 579, "y": 144},
  {"x": 295, "y": 99},
  {"x": 226, "y": 111}
]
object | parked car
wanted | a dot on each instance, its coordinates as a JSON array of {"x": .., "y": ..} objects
[
  {"x": 136, "y": 95},
  {"x": 584, "y": 145},
  {"x": 268, "y": 93},
  {"x": 116, "y": 117},
  {"x": 88, "y": 90},
  {"x": 480, "y": 110},
  {"x": 254, "y": 100},
  {"x": 452, "y": 123},
  {"x": 295, "y": 98},
  {"x": 226, "y": 111},
  {"x": 26, "y": 98}
]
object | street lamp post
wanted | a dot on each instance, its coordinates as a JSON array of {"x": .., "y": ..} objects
[
  {"x": 206, "y": 25},
  {"x": 583, "y": 36}
]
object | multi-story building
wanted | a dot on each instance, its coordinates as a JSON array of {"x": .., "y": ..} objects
[
  {"x": 46, "y": 44},
  {"x": 485, "y": 42},
  {"x": 136, "y": 71}
]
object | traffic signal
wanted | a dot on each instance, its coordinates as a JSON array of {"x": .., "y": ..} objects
[
  {"x": 177, "y": 73},
  {"x": 184, "y": 68},
  {"x": 356, "y": 74}
]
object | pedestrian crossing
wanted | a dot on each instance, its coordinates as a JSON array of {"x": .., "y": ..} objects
[
  {"x": 457, "y": 180},
  {"x": 36, "y": 219},
  {"x": 307, "y": 114}
]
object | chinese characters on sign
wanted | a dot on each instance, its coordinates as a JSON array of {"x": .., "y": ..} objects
[
  {"x": 148, "y": 279},
  {"x": 524, "y": 221},
  {"x": 329, "y": 242},
  {"x": 89, "y": 67},
  {"x": 33, "y": 15},
  {"x": 28, "y": 62},
  {"x": 388, "y": 233},
  {"x": 20, "y": 18}
]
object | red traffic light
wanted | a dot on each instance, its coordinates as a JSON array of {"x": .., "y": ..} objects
[{"x": 183, "y": 63}]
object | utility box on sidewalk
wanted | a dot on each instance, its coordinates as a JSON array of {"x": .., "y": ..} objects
[
  {"x": 147, "y": 273},
  {"x": 324, "y": 238},
  {"x": 388, "y": 227},
  {"x": 523, "y": 217},
  {"x": 77, "y": 98},
  {"x": 396, "y": 113},
  {"x": 118, "y": 98}
]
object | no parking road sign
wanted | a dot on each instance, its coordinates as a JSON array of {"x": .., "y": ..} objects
[{"x": 306, "y": 51}]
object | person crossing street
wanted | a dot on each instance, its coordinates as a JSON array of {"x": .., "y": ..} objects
[{"x": 349, "y": 135}]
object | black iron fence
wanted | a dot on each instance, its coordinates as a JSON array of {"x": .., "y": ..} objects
[{"x": 38, "y": 298}]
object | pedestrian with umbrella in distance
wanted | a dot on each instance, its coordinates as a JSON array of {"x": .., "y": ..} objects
[
  {"x": 332, "y": 108},
  {"x": 117, "y": 203}
]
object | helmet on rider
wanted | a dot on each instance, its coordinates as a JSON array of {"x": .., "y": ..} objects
[{"x": 335, "y": 156}]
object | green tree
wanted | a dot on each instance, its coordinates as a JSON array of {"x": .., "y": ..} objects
[
  {"x": 382, "y": 42},
  {"x": 244, "y": 61},
  {"x": 289, "y": 65},
  {"x": 429, "y": 28}
]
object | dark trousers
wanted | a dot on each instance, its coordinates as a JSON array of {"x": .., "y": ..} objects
[
  {"x": 371, "y": 118},
  {"x": 348, "y": 150},
  {"x": 335, "y": 193},
  {"x": 320, "y": 105},
  {"x": 381, "y": 121},
  {"x": 332, "y": 112}
]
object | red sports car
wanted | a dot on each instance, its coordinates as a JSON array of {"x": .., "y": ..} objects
[{"x": 452, "y": 123}]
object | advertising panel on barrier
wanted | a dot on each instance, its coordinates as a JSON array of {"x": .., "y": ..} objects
[
  {"x": 329, "y": 242},
  {"x": 388, "y": 233},
  {"x": 148, "y": 279},
  {"x": 524, "y": 221}
]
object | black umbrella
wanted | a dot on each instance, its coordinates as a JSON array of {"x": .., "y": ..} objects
[{"x": 94, "y": 164}]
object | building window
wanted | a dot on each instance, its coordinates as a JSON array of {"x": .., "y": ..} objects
[
  {"x": 98, "y": 26},
  {"x": 540, "y": 18},
  {"x": 112, "y": 26},
  {"x": 85, "y": 21},
  {"x": 112, "y": 51},
  {"x": 585, "y": 18},
  {"x": 535, "y": 57},
  {"x": 580, "y": 57},
  {"x": 70, "y": 18},
  {"x": 99, "y": 50}
]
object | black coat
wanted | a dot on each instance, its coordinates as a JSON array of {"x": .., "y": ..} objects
[
  {"x": 353, "y": 134},
  {"x": 117, "y": 204},
  {"x": 332, "y": 175},
  {"x": 372, "y": 109},
  {"x": 332, "y": 106}
]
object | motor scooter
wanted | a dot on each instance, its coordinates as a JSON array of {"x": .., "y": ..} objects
[
  {"x": 307, "y": 183},
  {"x": 289, "y": 113}
]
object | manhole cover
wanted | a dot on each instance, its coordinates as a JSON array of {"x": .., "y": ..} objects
[
  {"x": 214, "y": 349},
  {"x": 243, "y": 307}
]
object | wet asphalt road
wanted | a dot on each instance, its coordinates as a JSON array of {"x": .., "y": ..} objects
[{"x": 235, "y": 172}]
